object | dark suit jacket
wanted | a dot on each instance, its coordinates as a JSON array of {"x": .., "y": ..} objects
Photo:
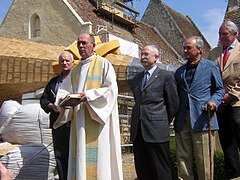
[
  {"x": 155, "y": 105},
  {"x": 48, "y": 97}
]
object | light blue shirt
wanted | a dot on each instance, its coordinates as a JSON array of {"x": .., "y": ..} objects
[
  {"x": 151, "y": 71},
  {"x": 232, "y": 46}
]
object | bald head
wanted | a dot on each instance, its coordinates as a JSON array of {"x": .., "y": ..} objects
[
  {"x": 66, "y": 55},
  {"x": 66, "y": 61}
]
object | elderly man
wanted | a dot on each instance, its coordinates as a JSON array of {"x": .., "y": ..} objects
[
  {"x": 227, "y": 56},
  {"x": 95, "y": 151},
  {"x": 62, "y": 134},
  {"x": 156, "y": 103},
  {"x": 199, "y": 88}
]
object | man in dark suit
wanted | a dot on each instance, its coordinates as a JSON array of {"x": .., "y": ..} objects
[
  {"x": 60, "y": 135},
  {"x": 156, "y": 103},
  {"x": 227, "y": 56}
]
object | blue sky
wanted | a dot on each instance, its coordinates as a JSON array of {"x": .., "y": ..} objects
[{"x": 206, "y": 14}]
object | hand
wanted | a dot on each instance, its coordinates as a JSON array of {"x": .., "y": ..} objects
[
  {"x": 5, "y": 174},
  {"x": 53, "y": 107},
  {"x": 228, "y": 98},
  {"x": 211, "y": 105},
  {"x": 83, "y": 97}
]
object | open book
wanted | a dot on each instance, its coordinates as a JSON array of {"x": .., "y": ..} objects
[{"x": 70, "y": 100}]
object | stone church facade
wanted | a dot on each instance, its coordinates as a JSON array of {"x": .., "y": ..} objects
[
  {"x": 49, "y": 22},
  {"x": 60, "y": 22}
]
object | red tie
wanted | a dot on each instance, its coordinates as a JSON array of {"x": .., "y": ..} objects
[{"x": 226, "y": 55}]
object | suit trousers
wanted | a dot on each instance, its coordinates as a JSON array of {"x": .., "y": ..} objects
[
  {"x": 193, "y": 145},
  {"x": 229, "y": 134},
  {"x": 61, "y": 149},
  {"x": 152, "y": 160}
]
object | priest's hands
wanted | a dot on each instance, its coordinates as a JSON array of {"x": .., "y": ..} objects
[{"x": 83, "y": 97}]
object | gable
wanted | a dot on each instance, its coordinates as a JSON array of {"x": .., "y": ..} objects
[{"x": 174, "y": 26}]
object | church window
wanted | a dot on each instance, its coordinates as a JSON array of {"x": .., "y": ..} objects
[{"x": 35, "y": 26}]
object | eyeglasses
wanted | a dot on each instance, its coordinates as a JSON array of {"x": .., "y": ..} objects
[
  {"x": 145, "y": 54},
  {"x": 83, "y": 43}
]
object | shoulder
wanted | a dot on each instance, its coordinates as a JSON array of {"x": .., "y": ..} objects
[
  {"x": 215, "y": 53},
  {"x": 164, "y": 72},
  {"x": 136, "y": 78},
  {"x": 54, "y": 79},
  {"x": 209, "y": 65},
  {"x": 138, "y": 75},
  {"x": 102, "y": 58},
  {"x": 168, "y": 75},
  {"x": 208, "y": 62},
  {"x": 105, "y": 61},
  {"x": 216, "y": 49},
  {"x": 237, "y": 46},
  {"x": 180, "y": 69},
  {"x": 133, "y": 82}
]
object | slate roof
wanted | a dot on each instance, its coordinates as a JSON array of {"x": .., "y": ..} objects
[{"x": 188, "y": 27}]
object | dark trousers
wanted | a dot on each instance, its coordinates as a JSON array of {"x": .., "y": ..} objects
[
  {"x": 61, "y": 149},
  {"x": 229, "y": 134},
  {"x": 152, "y": 160}
]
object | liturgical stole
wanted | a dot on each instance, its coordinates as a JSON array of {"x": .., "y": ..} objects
[{"x": 93, "y": 81}]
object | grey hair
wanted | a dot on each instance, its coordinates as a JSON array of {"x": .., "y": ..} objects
[
  {"x": 199, "y": 42},
  {"x": 154, "y": 48},
  {"x": 231, "y": 26}
]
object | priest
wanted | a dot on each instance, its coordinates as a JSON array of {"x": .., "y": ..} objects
[{"x": 95, "y": 151}]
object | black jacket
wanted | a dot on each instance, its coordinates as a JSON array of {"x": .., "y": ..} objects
[{"x": 47, "y": 97}]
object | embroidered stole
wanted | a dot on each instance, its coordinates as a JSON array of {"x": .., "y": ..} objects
[{"x": 93, "y": 81}]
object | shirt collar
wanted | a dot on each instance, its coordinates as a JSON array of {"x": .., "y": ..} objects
[
  {"x": 152, "y": 70},
  {"x": 60, "y": 79},
  {"x": 189, "y": 65},
  {"x": 232, "y": 46},
  {"x": 88, "y": 59}
]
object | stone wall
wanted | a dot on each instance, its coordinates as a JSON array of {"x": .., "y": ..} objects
[
  {"x": 21, "y": 75},
  {"x": 55, "y": 17}
]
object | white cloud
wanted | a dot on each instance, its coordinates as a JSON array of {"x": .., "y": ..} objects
[{"x": 213, "y": 19}]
